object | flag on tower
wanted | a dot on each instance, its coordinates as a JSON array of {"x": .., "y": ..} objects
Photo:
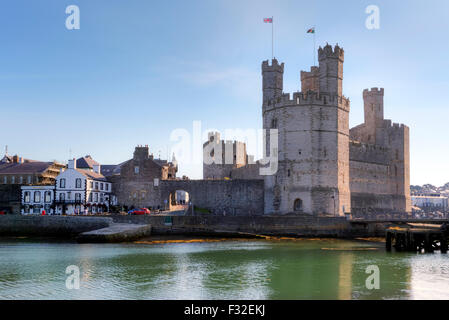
[
  {"x": 311, "y": 30},
  {"x": 268, "y": 20}
]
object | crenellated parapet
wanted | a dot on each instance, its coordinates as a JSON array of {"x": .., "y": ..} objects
[
  {"x": 329, "y": 52},
  {"x": 274, "y": 67},
  {"x": 307, "y": 98},
  {"x": 373, "y": 91}
]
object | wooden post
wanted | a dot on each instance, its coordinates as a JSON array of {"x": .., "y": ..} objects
[
  {"x": 388, "y": 241},
  {"x": 443, "y": 243}
]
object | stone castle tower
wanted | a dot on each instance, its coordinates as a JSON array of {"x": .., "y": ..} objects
[
  {"x": 313, "y": 127},
  {"x": 323, "y": 167}
]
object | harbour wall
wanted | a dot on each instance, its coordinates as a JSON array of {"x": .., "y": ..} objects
[
  {"x": 198, "y": 225},
  {"x": 50, "y": 226},
  {"x": 293, "y": 226}
]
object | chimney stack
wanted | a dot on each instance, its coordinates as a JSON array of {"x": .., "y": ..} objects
[{"x": 72, "y": 164}]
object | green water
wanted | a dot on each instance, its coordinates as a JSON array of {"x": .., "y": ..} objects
[{"x": 305, "y": 269}]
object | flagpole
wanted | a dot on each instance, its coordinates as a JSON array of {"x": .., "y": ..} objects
[
  {"x": 314, "y": 47},
  {"x": 272, "y": 38}
]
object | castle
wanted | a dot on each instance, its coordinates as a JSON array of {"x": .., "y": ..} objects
[{"x": 324, "y": 167}]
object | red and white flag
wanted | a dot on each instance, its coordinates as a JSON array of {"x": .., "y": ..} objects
[{"x": 268, "y": 20}]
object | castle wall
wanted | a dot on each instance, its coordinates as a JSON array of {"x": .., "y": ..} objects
[
  {"x": 220, "y": 157},
  {"x": 239, "y": 197},
  {"x": 248, "y": 172},
  {"x": 380, "y": 160}
]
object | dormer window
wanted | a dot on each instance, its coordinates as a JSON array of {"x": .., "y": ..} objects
[
  {"x": 78, "y": 183},
  {"x": 62, "y": 183}
]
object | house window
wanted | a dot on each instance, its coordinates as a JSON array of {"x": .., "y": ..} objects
[
  {"x": 78, "y": 183},
  {"x": 37, "y": 196},
  {"x": 96, "y": 185},
  {"x": 96, "y": 197},
  {"x": 274, "y": 123},
  {"x": 77, "y": 196},
  {"x": 106, "y": 186},
  {"x": 101, "y": 186},
  {"x": 47, "y": 196},
  {"x": 20, "y": 180},
  {"x": 13, "y": 180},
  {"x": 69, "y": 195},
  {"x": 27, "y": 196},
  {"x": 62, "y": 196},
  {"x": 62, "y": 183},
  {"x": 5, "y": 179},
  {"x": 90, "y": 197},
  {"x": 136, "y": 170},
  {"x": 91, "y": 184},
  {"x": 29, "y": 179},
  {"x": 288, "y": 172},
  {"x": 101, "y": 198}
]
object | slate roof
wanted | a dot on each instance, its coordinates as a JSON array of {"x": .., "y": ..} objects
[
  {"x": 91, "y": 174},
  {"x": 86, "y": 162},
  {"x": 24, "y": 168},
  {"x": 110, "y": 169}
]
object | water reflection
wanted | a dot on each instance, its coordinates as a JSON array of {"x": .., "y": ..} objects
[{"x": 305, "y": 269}]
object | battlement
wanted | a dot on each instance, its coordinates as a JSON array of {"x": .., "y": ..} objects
[
  {"x": 329, "y": 52},
  {"x": 275, "y": 66},
  {"x": 308, "y": 98},
  {"x": 373, "y": 91},
  {"x": 388, "y": 124}
]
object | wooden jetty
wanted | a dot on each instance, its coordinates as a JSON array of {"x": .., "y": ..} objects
[{"x": 418, "y": 237}]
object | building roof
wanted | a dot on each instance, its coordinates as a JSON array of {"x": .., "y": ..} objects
[
  {"x": 24, "y": 168},
  {"x": 91, "y": 174},
  {"x": 110, "y": 169},
  {"x": 86, "y": 162}
]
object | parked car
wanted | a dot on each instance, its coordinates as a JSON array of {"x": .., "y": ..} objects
[
  {"x": 2, "y": 212},
  {"x": 140, "y": 211}
]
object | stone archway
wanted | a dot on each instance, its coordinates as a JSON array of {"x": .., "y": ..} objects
[
  {"x": 179, "y": 200},
  {"x": 297, "y": 205}
]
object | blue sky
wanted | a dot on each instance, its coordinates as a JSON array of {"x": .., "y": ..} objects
[{"x": 136, "y": 70}]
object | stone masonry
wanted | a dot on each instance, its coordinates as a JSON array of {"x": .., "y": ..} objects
[{"x": 324, "y": 167}]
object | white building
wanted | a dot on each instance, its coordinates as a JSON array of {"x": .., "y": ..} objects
[
  {"x": 430, "y": 201},
  {"x": 82, "y": 190},
  {"x": 36, "y": 199}
]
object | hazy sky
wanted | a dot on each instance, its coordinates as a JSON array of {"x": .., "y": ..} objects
[{"x": 137, "y": 70}]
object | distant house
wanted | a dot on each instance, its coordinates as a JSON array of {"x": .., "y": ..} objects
[
  {"x": 430, "y": 201},
  {"x": 36, "y": 199},
  {"x": 136, "y": 180},
  {"x": 82, "y": 189},
  {"x": 16, "y": 172}
]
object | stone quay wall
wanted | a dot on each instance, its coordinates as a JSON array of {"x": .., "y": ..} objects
[
  {"x": 287, "y": 226},
  {"x": 50, "y": 226}
]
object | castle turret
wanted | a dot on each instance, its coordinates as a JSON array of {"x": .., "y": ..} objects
[
  {"x": 331, "y": 69},
  {"x": 373, "y": 101},
  {"x": 272, "y": 79}
]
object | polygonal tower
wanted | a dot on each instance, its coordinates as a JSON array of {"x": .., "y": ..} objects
[
  {"x": 272, "y": 76},
  {"x": 313, "y": 141}
]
